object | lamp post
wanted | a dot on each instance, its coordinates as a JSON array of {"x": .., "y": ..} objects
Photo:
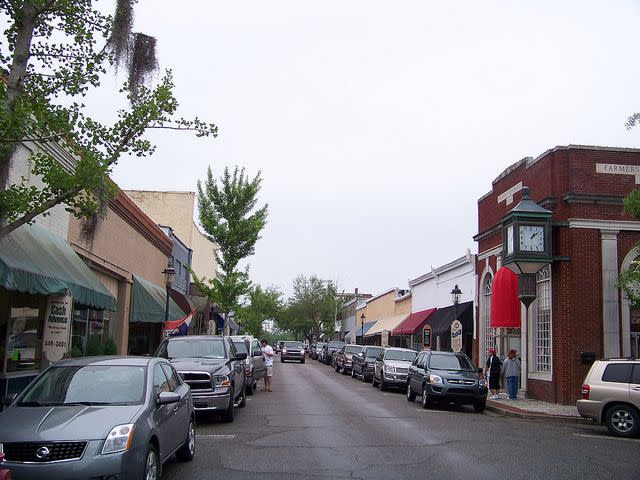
[
  {"x": 362, "y": 317},
  {"x": 169, "y": 277},
  {"x": 456, "y": 293}
]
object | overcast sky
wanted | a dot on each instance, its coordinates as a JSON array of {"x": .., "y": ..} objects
[{"x": 377, "y": 125}]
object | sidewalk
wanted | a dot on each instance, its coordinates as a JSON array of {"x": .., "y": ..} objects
[{"x": 534, "y": 409}]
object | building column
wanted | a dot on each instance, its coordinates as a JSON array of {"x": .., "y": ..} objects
[{"x": 610, "y": 302}]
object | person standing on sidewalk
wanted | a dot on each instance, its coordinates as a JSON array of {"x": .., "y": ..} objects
[
  {"x": 492, "y": 370},
  {"x": 267, "y": 353},
  {"x": 511, "y": 371}
]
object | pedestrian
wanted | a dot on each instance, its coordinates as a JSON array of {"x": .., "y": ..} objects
[
  {"x": 511, "y": 371},
  {"x": 492, "y": 370},
  {"x": 267, "y": 353}
]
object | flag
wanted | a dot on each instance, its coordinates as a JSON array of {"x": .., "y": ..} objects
[{"x": 178, "y": 327}]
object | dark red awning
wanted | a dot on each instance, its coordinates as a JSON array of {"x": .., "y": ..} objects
[
  {"x": 410, "y": 324},
  {"x": 505, "y": 306}
]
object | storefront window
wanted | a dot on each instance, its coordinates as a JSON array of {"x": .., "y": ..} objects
[
  {"x": 485, "y": 315},
  {"x": 24, "y": 345},
  {"x": 542, "y": 322},
  {"x": 86, "y": 323}
]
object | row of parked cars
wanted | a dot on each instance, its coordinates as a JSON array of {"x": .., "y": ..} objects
[
  {"x": 124, "y": 417},
  {"x": 436, "y": 377}
]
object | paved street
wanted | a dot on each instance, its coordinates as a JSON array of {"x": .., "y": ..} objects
[{"x": 319, "y": 424}]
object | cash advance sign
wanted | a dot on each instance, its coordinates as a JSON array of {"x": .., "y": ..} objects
[{"x": 55, "y": 341}]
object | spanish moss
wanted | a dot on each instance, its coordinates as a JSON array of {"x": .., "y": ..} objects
[
  {"x": 121, "y": 35},
  {"x": 142, "y": 62}
]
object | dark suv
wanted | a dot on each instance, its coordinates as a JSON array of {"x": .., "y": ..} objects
[
  {"x": 329, "y": 351},
  {"x": 363, "y": 363},
  {"x": 446, "y": 377},
  {"x": 212, "y": 367},
  {"x": 344, "y": 358}
]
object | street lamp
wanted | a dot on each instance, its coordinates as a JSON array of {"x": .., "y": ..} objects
[
  {"x": 456, "y": 293},
  {"x": 362, "y": 317},
  {"x": 169, "y": 277}
]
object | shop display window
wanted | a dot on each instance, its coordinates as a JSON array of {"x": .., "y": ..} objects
[
  {"x": 24, "y": 342},
  {"x": 87, "y": 322}
]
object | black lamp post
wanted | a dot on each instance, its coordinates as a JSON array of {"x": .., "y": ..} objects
[
  {"x": 169, "y": 277},
  {"x": 362, "y": 317}
]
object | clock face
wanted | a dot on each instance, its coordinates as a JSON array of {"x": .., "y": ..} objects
[{"x": 531, "y": 238}]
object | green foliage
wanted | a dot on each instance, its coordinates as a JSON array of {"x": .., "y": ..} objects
[
  {"x": 263, "y": 304},
  {"x": 629, "y": 281},
  {"x": 94, "y": 346},
  {"x": 55, "y": 52},
  {"x": 227, "y": 209},
  {"x": 110, "y": 346},
  {"x": 312, "y": 308},
  {"x": 76, "y": 351}
]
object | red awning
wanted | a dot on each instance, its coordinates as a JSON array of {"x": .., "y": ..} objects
[
  {"x": 410, "y": 324},
  {"x": 505, "y": 306}
]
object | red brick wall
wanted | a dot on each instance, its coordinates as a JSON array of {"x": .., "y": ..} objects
[{"x": 577, "y": 281}]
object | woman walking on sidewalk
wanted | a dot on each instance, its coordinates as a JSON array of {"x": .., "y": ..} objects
[
  {"x": 511, "y": 371},
  {"x": 492, "y": 371}
]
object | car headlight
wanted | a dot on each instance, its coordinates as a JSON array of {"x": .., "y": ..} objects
[
  {"x": 435, "y": 379},
  {"x": 221, "y": 381},
  {"x": 390, "y": 369},
  {"x": 119, "y": 439}
]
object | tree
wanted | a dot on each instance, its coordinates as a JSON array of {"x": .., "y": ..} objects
[
  {"x": 228, "y": 214},
  {"x": 263, "y": 304},
  {"x": 312, "y": 308},
  {"x": 629, "y": 281},
  {"x": 54, "y": 52}
]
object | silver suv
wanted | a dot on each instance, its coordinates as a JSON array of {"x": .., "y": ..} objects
[{"x": 611, "y": 395}]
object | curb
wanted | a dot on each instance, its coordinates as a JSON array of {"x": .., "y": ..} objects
[{"x": 515, "y": 412}]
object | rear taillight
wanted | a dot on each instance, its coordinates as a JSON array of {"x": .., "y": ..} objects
[{"x": 586, "y": 389}]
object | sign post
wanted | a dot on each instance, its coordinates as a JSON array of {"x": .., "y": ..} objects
[{"x": 426, "y": 336}]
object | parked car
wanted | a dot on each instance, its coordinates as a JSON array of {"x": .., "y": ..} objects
[
  {"x": 391, "y": 366},
  {"x": 316, "y": 348},
  {"x": 292, "y": 351},
  {"x": 254, "y": 367},
  {"x": 278, "y": 347},
  {"x": 98, "y": 417},
  {"x": 611, "y": 395},
  {"x": 212, "y": 367},
  {"x": 446, "y": 377},
  {"x": 363, "y": 362},
  {"x": 344, "y": 356},
  {"x": 329, "y": 350}
]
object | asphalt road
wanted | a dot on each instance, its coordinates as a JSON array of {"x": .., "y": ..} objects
[{"x": 320, "y": 424}]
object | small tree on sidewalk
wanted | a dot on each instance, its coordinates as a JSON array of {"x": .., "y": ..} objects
[{"x": 228, "y": 214}]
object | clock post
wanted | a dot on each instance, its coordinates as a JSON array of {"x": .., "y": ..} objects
[{"x": 526, "y": 247}]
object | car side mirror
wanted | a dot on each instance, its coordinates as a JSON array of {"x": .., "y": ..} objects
[
  {"x": 240, "y": 356},
  {"x": 8, "y": 399},
  {"x": 257, "y": 353},
  {"x": 165, "y": 398}
]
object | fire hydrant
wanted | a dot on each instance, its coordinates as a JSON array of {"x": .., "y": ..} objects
[{"x": 4, "y": 473}]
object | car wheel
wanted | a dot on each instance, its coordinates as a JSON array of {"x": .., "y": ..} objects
[
  {"x": 344, "y": 371},
  {"x": 229, "y": 413},
  {"x": 250, "y": 386},
  {"x": 623, "y": 421},
  {"x": 152, "y": 464},
  {"x": 302, "y": 361},
  {"x": 353, "y": 373},
  {"x": 364, "y": 377},
  {"x": 426, "y": 402},
  {"x": 411, "y": 396},
  {"x": 479, "y": 407},
  {"x": 188, "y": 449},
  {"x": 373, "y": 381},
  {"x": 383, "y": 386}
]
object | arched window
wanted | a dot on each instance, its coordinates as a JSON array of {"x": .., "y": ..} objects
[
  {"x": 488, "y": 333},
  {"x": 542, "y": 323}
]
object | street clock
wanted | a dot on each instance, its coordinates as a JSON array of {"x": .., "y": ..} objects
[{"x": 526, "y": 243}]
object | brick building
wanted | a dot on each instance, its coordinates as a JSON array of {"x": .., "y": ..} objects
[{"x": 580, "y": 313}]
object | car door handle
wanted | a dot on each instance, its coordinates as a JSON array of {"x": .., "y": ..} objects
[
  {"x": 175, "y": 410},
  {"x": 637, "y": 389}
]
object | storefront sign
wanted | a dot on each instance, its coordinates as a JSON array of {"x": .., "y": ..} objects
[
  {"x": 426, "y": 336},
  {"x": 456, "y": 336},
  {"x": 384, "y": 341},
  {"x": 619, "y": 169},
  {"x": 55, "y": 341}
]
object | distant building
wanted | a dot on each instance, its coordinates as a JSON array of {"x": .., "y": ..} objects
[{"x": 269, "y": 325}]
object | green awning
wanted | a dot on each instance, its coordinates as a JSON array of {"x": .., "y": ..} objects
[
  {"x": 34, "y": 260},
  {"x": 148, "y": 303}
]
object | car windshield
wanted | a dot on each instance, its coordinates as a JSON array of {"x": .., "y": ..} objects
[
  {"x": 449, "y": 362},
  {"x": 353, "y": 349},
  {"x": 320, "y": 345},
  {"x": 201, "y": 348},
  {"x": 336, "y": 345},
  {"x": 373, "y": 352},
  {"x": 241, "y": 347},
  {"x": 293, "y": 345},
  {"x": 88, "y": 385},
  {"x": 400, "y": 355}
]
